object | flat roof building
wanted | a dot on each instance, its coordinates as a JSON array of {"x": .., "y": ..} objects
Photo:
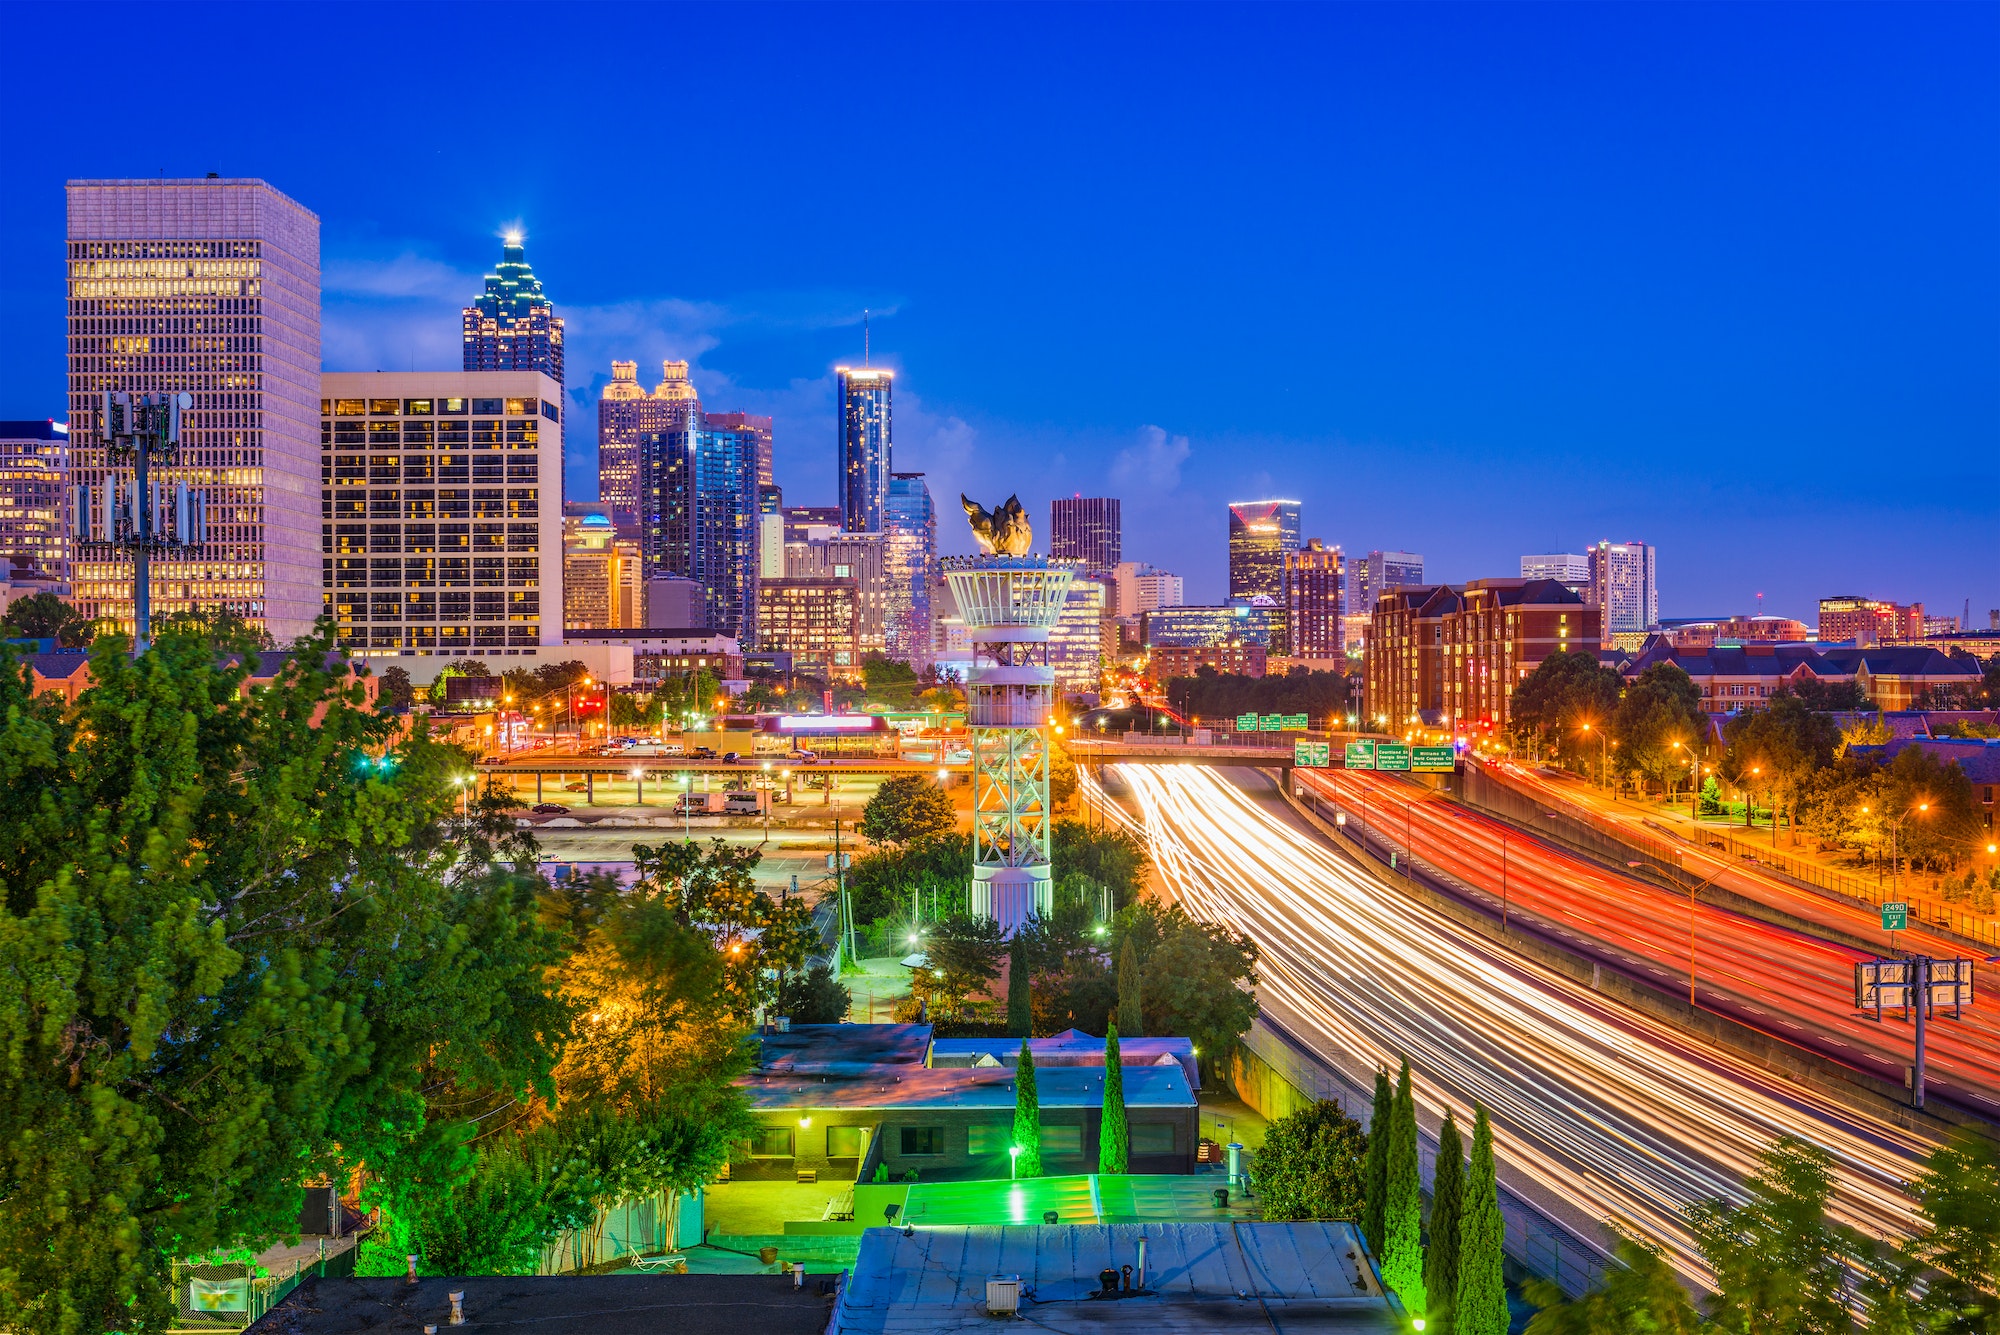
[
  {"x": 34, "y": 468},
  {"x": 1260, "y": 533}
]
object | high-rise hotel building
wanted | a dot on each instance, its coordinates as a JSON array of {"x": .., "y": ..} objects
[
  {"x": 441, "y": 522},
  {"x": 626, "y": 415},
  {"x": 512, "y": 326},
  {"x": 864, "y": 443},
  {"x": 211, "y": 288},
  {"x": 1087, "y": 529}
]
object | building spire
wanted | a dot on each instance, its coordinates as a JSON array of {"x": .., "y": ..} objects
[{"x": 864, "y": 338}]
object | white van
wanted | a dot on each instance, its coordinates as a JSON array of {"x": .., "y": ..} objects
[{"x": 752, "y": 803}]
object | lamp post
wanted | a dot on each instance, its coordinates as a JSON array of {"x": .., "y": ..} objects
[
  {"x": 767, "y": 801},
  {"x": 1603, "y": 759},
  {"x": 1677, "y": 884},
  {"x": 687, "y": 833},
  {"x": 639, "y": 784},
  {"x": 1013, "y": 1162}
]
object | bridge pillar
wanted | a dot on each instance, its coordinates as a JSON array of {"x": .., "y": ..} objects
[
  {"x": 590, "y": 788},
  {"x": 538, "y": 787}
]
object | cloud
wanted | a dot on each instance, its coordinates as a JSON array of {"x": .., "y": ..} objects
[
  {"x": 408, "y": 275},
  {"x": 1154, "y": 463}
]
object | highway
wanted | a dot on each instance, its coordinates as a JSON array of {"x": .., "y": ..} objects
[
  {"x": 1618, "y": 1117},
  {"x": 1792, "y": 985}
]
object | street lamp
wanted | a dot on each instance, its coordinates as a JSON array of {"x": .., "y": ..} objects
[
  {"x": 639, "y": 784},
  {"x": 1691, "y": 894},
  {"x": 1013, "y": 1162}
]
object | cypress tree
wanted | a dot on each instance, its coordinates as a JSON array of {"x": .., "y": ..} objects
[
  {"x": 1480, "y": 1305},
  {"x": 1020, "y": 1010},
  {"x": 1403, "y": 1208},
  {"x": 1027, "y": 1117},
  {"x": 1374, "y": 1186},
  {"x": 1114, "y": 1136},
  {"x": 1131, "y": 1018},
  {"x": 1447, "y": 1205}
]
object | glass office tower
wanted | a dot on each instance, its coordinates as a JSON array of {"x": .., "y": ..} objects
[
  {"x": 1087, "y": 529},
  {"x": 1260, "y": 533},
  {"x": 909, "y": 529},
  {"x": 511, "y": 326},
  {"x": 864, "y": 447},
  {"x": 699, "y": 496},
  {"x": 208, "y": 287}
]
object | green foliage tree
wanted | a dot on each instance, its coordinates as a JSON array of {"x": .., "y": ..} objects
[
  {"x": 885, "y": 882},
  {"x": 1779, "y": 1264},
  {"x": 1062, "y": 778},
  {"x": 963, "y": 954},
  {"x": 1480, "y": 1305},
  {"x": 221, "y": 628},
  {"x": 908, "y": 809},
  {"x": 1640, "y": 1292},
  {"x": 716, "y": 889},
  {"x": 889, "y": 681},
  {"x": 1376, "y": 1199},
  {"x": 1027, "y": 1117},
  {"x": 1946, "y": 833},
  {"x": 1114, "y": 1133},
  {"x": 813, "y": 997},
  {"x": 1958, "y": 1194},
  {"x": 1788, "y": 741},
  {"x": 245, "y": 944},
  {"x": 1564, "y": 691},
  {"x": 1131, "y": 989},
  {"x": 1313, "y": 1165},
  {"x": 1403, "y": 1204},
  {"x": 1447, "y": 1208},
  {"x": 43, "y": 616},
  {"x": 1020, "y": 1006},
  {"x": 1321, "y": 696},
  {"x": 1109, "y": 857},
  {"x": 396, "y": 694},
  {"x": 1831, "y": 697},
  {"x": 1658, "y": 722},
  {"x": 1073, "y": 988},
  {"x": 1198, "y": 977}
]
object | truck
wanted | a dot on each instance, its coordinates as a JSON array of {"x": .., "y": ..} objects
[
  {"x": 699, "y": 804},
  {"x": 751, "y": 802}
]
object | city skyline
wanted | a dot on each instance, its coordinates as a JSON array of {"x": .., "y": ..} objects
[{"x": 1602, "y": 404}]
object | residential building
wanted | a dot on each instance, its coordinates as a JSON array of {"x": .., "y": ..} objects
[
  {"x": 910, "y": 568},
  {"x": 1851, "y": 619},
  {"x": 18, "y": 580},
  {"x": 34, "y": 463},
  {"x": 759, "y": 429},
  {"x": 512, "y": 326},
  {"x": 1260, "y": 533},
  {"x": 1941, "y": 626},
  {"x": 1315, "y": 597},
  {"x": 1380, "y": 571},
  {"x": 626, "y": 415},
  {"x": 442, "y": 526},
  {"x": 672, "y": 601},
  {"x": 1735, "y": 677},
  {"x": 1076, "y": 642},
  {"x": 861, "y": 557},
  {"x": 1501, "y": 632},
  {"x": 1354, "y": 625},
  {"x": 863, "y": 456},
  {"x": 770, "y": 546},
  {"x": 1241, "y": 658},
  {"x": 1622, "y": 584},
  {"x": 1569, "y": 569},
  {"x": 1138, "y": 587},
  {"x": 602, "y": 584},
  {"x": 1406, "y": 667},
  {"x": 698, "y": 501},
  {"x": 210, "y": 288},
  {"x": 1192, "y": 627},
  {"x": 815, "y": 620},
  {"x": 1906, "y": 676},
  {"x": 770, "y": 499},
  {"x": 1087, "y": 529}
]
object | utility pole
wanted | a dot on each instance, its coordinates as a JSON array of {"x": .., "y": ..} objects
[{"x": 144, "y": 429}]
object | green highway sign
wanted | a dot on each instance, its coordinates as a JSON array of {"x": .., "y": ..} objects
[
  {"x": 1246, "y": 723},
  {"x": 1312, "y": 755},
  {"x": 1895, "y": 917},
  {"x": 1433, "y": 758},
  {"x": 1270, "y": 723},
  {"x": 1392, "y": 755},
  {"x": 1295, "y": 722},
  {"x": 1361, "y": 755}
]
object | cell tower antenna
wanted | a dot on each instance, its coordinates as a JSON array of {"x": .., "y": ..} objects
[{"x": 864, "y": 338}]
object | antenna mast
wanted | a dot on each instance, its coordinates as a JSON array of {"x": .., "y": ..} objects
[{"x": 864, "y": 338}]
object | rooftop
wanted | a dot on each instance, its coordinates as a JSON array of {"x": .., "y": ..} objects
[
  {"x": 1220, "y": 1277},
  {"x": 1072, "y": 1047},
  {"x": 1083, "y": 1198},
  {"x": 976, "y": 1087},
  {"x": 820, "y": 1049},
  {"x": 555, "y": 1305}
]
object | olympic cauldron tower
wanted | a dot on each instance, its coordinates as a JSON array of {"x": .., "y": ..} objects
[{"x": 1009, "y": 600}]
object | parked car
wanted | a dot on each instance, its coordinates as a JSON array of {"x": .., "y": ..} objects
[
  {"x": 549, "y": 809},
  {"x": 576, "y": 786},
  {"x": 703, "y": 753},
  {"x": 801, "y": 757},
  {"x": 731, "y": 757}
]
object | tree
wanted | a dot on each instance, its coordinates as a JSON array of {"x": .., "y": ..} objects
[
  {"x": 1787, "y": 741},
  {"x": 759, "y": 939},
  {"x": 908, "y": 809},
  {"x": 43, "y": 616},
  {"x": 1779, "y": 1264},
  {"x": 1638, "y": 1293},
  {"x": 1958, "y": 1194},
  {"x": 1447, "y": 1208},
  {"x": 1114, "y": 1134},
  {"x": 1312, "y": 1165},
  {"x": 1062, "y": 778},
  {"x": 1564, "y": 691},
  {"x": 1831, "y": 697},
  {"x": 1376, "y": 1183},
  {"x": 245, "y": 944},
  {"x": 1020, "y": 1008},
  {"x": 1130, "y": 989},
  {"x": 1660, "y": 725},
  {"x": 1321, "y": 696},
  {"x": 1108, "y": 856},
  {"x": 1403, "y": 1204},
  {"x": 963, "y": 953},
  {"x": 396, "y": 694},
  {"x": 1480, "y": 1305},
  {"x": 813, "y": 997},
  {"x": 1198, "y": 977},
  {"x": 1933, "y": 800},
  {"x": 890, "y": 681},
  {"x": 1027, "y": 1117}
]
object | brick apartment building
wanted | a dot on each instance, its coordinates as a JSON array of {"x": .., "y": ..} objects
[{"x": 1452, "y": 654}]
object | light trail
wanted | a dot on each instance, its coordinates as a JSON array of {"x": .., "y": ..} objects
[{"x": 1623, "y": 1118}]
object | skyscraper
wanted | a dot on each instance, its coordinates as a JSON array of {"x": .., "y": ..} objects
[
  {"x": 1621, "y": 582},
  {"x": 1260, "y": 533},
  {"x": 864, "y": 443},
  {"x": 1315, "y": 589},
  {"x": 626, "y": 415},
  {"x": 860, "y": 557},
  {"x": 758, "y": 427},
  {"x": 1570, "y": 569},
  {"x": 909, "y": 531},
  {"x": 700, "y": 492},
  {"x": 1087, "y": 529},
  {"x": 34, "y": 460},
  {"x": 209, "y": 287},
  {"x": 511, "y": 326},
  {"x": 1385, "y": 570}
]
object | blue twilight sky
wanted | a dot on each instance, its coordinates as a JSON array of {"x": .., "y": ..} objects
[{"x": 1471, "y": 282}]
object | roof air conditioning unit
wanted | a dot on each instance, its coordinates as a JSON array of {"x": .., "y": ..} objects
[{"x": 1003, "y": 1295}]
